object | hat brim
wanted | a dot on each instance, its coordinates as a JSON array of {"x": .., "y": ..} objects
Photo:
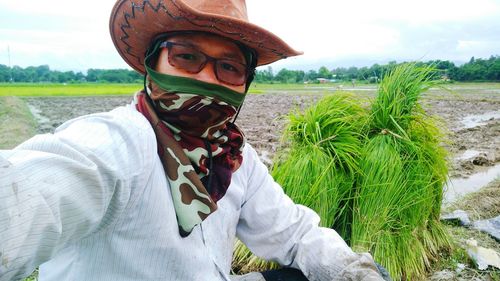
[{"x": 134, "y": 25}]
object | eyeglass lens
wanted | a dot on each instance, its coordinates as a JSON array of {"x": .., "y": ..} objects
[{"x": 192, "y": 60}]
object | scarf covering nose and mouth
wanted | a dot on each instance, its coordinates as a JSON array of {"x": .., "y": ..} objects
[{"x": 198, "y": 146}]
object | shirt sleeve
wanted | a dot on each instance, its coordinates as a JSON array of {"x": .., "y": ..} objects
[
  {"x": 59, "y": 188},
  {"x": 275, "y": 228}
]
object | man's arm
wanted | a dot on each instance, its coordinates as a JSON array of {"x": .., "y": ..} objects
[
  {"x": 61, "y": 188},
  {"x": 275, "y": 228}
]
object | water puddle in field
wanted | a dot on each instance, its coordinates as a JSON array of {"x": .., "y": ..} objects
[
  {"x": 472, "y": 121},
  {"x": 458, "y": 187},
  {"x": 468, "y": 154}
]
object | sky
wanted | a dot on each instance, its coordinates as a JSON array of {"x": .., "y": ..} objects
[{"x": 73, "y": 35}]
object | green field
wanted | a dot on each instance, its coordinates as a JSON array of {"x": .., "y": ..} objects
[
  {"x": 83, "y": 89},
  {"x": 106, "y": 89}
]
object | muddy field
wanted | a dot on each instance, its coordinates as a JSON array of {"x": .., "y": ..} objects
[
  {"x": 260, "y": 118},
  {"x": 473, "y": 121}
]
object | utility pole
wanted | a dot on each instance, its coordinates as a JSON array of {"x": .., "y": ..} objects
[{"x": 10, "y": 67}]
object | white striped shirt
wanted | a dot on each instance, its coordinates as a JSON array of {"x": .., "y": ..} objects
[{"x": 91, "y": 202}]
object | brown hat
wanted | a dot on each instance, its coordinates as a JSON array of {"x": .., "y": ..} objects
[{"x": 134, "y": 24}]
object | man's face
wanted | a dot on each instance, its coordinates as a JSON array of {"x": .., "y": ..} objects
[{"x": 209, "y": 44}]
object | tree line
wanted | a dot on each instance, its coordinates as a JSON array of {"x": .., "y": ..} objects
[
  {"x": 474, "y": 70},
  {"x": 43, "y": 73}
]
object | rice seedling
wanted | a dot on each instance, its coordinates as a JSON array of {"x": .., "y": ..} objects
[
  {"x": 317, "y": 167},
  {"x": 403, "y": 170},
  {"x": 397, "y": 97}
]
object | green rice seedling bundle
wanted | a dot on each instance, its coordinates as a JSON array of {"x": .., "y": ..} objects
[
  {"x": 403, "y": 170},
  {"x": 335, "y": 124},
  {"x": 377, "y": 179},
  {"x": 318, "y": 166}
]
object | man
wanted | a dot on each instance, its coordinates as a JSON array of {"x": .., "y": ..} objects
[{"x": 159, "y": 190}]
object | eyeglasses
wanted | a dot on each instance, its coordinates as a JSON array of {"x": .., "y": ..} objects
[{"x": 192, "y": 60}]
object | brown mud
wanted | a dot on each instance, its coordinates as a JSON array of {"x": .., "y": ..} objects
[
  {"x": 262, "y": 120},
  {"x": 261, "y": 117}
]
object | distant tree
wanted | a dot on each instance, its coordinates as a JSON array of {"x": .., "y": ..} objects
[
  {"x": 114, "y": 76},
  {"x": 376, "y": 71},
  {"x": 79, "y": 77},
  {"x": 134, "y": 76},
  {"x": 363, "y": 73},
  {"x": 339, "y": 73},
  {"x": 475, "y": 70},
  {"x": 18, "y": 74},
  {"x": 4, "y": 73},
  {"x": 493, "y": 71},
  {"x": 286, "y": 76},
  {"x": 43, "y": 73},
  {"x": 311, "y": 75},
  {"x": 300, "y": 75},
  {"x": 323, "y": 72},
  {"x": 264, "y": 76},
  {"x": 92, "y": 75},
  {"x": 352, "y": 73},
  {"x": 30, "y": 74}
]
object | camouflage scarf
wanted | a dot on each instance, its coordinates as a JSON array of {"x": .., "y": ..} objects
[{"x": 198, "y": 146}]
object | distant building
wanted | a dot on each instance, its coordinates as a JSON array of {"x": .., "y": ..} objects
[
  {"x": 323, "y": 80},
  {"x": 445, "y": 78}
]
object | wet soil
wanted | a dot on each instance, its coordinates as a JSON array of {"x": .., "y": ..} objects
[
  {"x": 472, "y": 149},
  {"x": 260, "y": 117},
  {"x": 483, "y": 139}
]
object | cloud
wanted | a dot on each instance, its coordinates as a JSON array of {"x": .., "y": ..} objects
[
  {"x": 454, "y": 41},
  {"x": 344, "y": 33},
  {"x": 89, "y": 9},
  {"x": 68, "y": 34}
]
